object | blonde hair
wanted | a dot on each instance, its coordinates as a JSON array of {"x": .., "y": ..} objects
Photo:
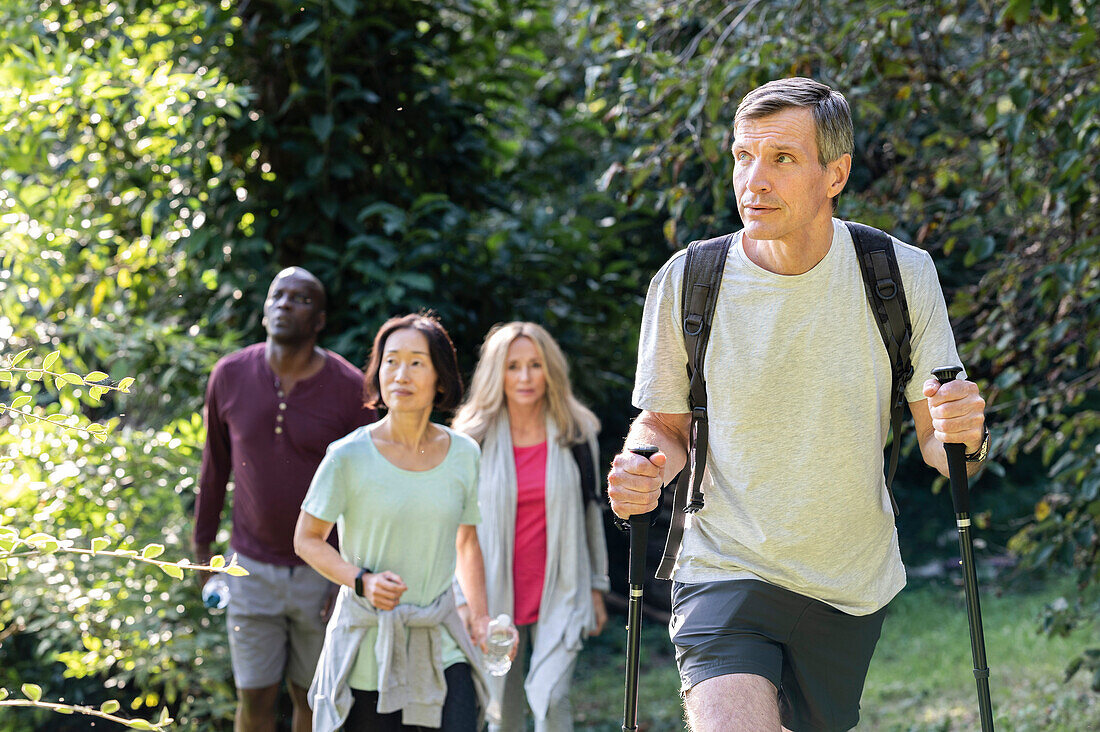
[{"x": 485, "y": 401}]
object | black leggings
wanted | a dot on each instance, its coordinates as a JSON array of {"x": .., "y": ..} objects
[{"x": 459, "y": 708}]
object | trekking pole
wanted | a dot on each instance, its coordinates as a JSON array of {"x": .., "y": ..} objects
[
  {"x": 639, "y": 535},
  {"x": 960, "y": 498}
]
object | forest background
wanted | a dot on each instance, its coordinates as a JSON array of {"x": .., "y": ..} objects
[{"x": 491, "y": 160}]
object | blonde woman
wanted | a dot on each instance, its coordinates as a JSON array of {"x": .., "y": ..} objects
[{"x": 543, "y": 542}]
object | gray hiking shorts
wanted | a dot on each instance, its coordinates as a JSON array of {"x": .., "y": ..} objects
[
  {"x": 275, "y": 625},
  {"x": 815, "y": 655}
]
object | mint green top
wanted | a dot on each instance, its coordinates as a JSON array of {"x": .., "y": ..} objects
[{"x": 398, "y": 520}]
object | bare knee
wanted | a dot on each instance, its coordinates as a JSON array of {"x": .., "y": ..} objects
[{"x": 733, "y": 701}]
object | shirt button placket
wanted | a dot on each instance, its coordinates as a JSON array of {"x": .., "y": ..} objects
[{"x": 279, "y": 417}]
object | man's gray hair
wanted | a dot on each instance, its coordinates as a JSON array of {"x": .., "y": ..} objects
[{"x": 832, "y": 118}]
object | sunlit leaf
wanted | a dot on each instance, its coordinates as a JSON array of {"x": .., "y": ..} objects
[
  {"x": 217, "y": 561},
  {"x": 152, "y": 551},
  {"x": 95, "y": 376},
  {"x": 110, "y": 706},
  {"x": 100, "y": 543},
  {"x": 124, "y": 385},
  {"x": 19, "y": 356},
  {"x": 50, "y": 360},
  {"x": 71, "y": 378},
  {"x": 172, "y": 571},
  {"x": 32, "y": 691}
]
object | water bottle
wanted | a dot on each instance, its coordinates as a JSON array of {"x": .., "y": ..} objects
[
  {"x": 215, "y": 593},
  {"x": 502, "y": 636}
]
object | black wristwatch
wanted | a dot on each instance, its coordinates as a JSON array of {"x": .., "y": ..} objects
[
  {"x": 359, "y": 581},
  {"x": 983, "y": 449}
]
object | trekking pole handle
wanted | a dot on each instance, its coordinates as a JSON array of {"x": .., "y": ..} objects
[
  {"x": 639, "y": 527},
  {"x": 956, "y": 453}
]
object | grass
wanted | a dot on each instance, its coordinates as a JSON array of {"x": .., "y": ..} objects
[{"x": 920, "y": 678}]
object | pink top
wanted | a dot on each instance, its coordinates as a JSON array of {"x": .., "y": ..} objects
[{"x": 529, "y": 565}]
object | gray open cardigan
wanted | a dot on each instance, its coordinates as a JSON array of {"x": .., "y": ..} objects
[{"x": 576, "y": 556}]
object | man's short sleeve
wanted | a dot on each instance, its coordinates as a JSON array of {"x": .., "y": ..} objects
[
  {"x": 327, "y": 492},
  {"x": 660, "y": 381},
  {"x": 932, "y": 339}
]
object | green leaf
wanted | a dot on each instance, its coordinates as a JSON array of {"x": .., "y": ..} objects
[
  {"x": 164, "y": 718},
  {"x": 172, "y": 571},
  {"x": 236, "y": 570},
  {"x": 50, "y": 360},
  {"x": 110, "y": 706},
  {"x": 72, "y": 378},
  {"x": 6, "y": 376},
  {"x": 152, "y": 551},
  {"x": 20, "y": 401},
  {"x": 34, "y": 375},
  {"x": 124, "y": 385},
  {"x": 43, "y": 542},
  {"x": 32, "y": 691},
  {"x": 100, "y": 543},
  {"x": 95, "y": 376},
  {"x": 322, "y": 125},
  {"x": 140, "y": 724},
  {"x": 304, "y": 29},
  {"x": 217, "y": 561},
  {"x": 19, "y": 356},
  {"x": 347, "y": 7},
  {"x": 97, "y": 392},
  {"x": 3, "y": 693}
]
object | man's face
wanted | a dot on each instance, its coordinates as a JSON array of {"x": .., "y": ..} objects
[
  {"x": 293, "y": 311},
  {"x": 781, "y": 187}
]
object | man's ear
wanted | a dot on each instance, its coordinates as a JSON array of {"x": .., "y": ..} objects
[
  {"x": 320, "y": 322},
  {"x": 838, "y": 172}
]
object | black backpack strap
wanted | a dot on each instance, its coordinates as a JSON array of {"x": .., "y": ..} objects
[
  {"x": 703, "y": 267},
  {"x": 582, "y": 454},
  {"x": 882, "y": 279}
]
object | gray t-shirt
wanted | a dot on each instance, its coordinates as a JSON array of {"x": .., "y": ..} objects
[{"x": 798, "y": 389}]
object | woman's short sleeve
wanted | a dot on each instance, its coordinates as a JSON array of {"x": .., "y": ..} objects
[{"x": 327, "y": 492}]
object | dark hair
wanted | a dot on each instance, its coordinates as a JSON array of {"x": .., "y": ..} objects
[{"x": 440, "y": 349}]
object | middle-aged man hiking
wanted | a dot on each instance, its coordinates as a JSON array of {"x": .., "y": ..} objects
[
  {"x": 785, "y": 573},
  {"x": 271, "y": 411}
]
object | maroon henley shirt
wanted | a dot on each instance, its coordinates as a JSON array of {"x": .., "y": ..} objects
[{"x": 272, "y": 443}]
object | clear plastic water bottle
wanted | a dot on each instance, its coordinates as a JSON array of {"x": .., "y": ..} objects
[
  {"x": 502, "y": 636},
  {"x": 215, "y": 593}
]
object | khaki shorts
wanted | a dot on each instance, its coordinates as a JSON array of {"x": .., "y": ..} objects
[
  {"x": 275, "y": 626},
  {"x": 815, "y": 655}
]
